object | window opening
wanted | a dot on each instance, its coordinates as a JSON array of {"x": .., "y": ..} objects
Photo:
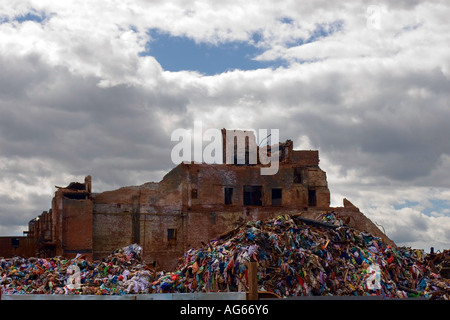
[
  {"x": 228, "y": 195},
  {"x": 276, "y": 196},
  {"x": 297, "y": 175},
  {"x": 312, "y": 200},
  {"x": 252, "y": 195}
]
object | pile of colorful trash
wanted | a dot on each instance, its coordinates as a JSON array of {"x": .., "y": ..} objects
[
  {"x": 122, "y": 272},
  {"x": 295, "y": 257}
]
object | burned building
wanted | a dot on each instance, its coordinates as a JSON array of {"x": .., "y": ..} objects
[{"x": 193, "y": 203}]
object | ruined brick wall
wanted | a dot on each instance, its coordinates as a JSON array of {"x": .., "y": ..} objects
[
  {"x": 17, "y": 246},
  {"x": 163, "y": 238},
  {"x": 72, "y": 220},
  {"x": 77, "y": 227},
  {"x": 41, "y": 227},
  {"x": 305, "y": 157},
  {"x": 57, "y": 208},
  {"x": 235, "y": 145},
  {"x": 144, "y": 215},
  {"x": 206, "y": 185},
  {"x": 209, "y": 215},
  {"x": 112, "y": 220}
]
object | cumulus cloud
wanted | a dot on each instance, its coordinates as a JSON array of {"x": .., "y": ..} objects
[{"x": 365, "y": 83}]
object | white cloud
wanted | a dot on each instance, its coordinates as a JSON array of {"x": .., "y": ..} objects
[{"x": 77, "y": 98}]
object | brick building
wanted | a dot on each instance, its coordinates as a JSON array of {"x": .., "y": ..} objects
[{"x": 193, "y": 203}]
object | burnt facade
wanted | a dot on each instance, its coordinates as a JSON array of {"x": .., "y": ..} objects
[{"x": 193, "y": 203}]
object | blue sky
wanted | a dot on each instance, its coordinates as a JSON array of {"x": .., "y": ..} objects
[
  {"x": 29, "y": 16},
  {"x": 177, "y": 53},
  {"x": 429, "y": 207}
]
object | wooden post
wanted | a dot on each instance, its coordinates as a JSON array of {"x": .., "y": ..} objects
[{"x": 252, "y": 281}]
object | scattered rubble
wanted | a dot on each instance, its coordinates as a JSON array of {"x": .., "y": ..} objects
[
  {"x": 296, "y": 257},
  {"x": 120, "y": 273},
  {"x": 301, "y": 257}
]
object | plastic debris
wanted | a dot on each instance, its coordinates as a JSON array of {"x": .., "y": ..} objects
[
  {"x": 296, "y": 257},
  {"x": 120, "y": 273}
]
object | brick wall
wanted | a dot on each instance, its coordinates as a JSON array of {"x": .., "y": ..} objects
[
  {"x": 77, "y": 227},
  {"x": 305, "y": 157},
  {"x": 17, "y": 246}
]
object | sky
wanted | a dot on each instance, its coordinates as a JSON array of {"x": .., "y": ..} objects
[{"x": 97, "y": 87}]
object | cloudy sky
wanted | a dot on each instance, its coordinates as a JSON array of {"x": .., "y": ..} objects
[{"x": 97, "y": 87}]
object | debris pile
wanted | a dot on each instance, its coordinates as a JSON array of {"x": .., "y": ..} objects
[
  {"x": 302, "y": 257},
  {"x": 296, "y": 257},
  {"x": 120, "y": 273},
  {"x": 439, "y": 264}
]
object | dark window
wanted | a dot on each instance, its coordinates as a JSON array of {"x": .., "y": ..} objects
[
  {"x": 76, "y": 186},
  {"x": 252, "y": 195},
  {"x": 244, "y": 157},
  {"x": 171, "y": 236},
  {"x": 15, "y": 242},
  {"x": 297, "y": 175},
  {"x": 312, "y": 201},
  {"x": 76, "y": 196},
  {"x": 228, "y": 195},
  {"x": 276, "y": 197},
  {"x": 194, "y": 194}
]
